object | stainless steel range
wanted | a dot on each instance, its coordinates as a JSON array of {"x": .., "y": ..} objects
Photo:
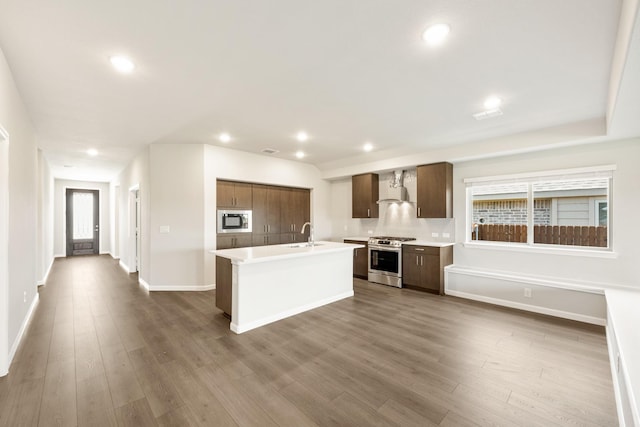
[{"x": 385, "y": 260}]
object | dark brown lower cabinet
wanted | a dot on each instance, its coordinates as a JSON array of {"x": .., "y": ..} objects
[
  {"x": 230, "y": 241},
  {"x": 423, "y": 267},
  {"x": 360, "y": 259},
  {"x": 223, "y": 284}
]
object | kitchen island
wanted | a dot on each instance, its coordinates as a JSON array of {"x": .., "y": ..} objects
[{"x": 260, "y": 285}]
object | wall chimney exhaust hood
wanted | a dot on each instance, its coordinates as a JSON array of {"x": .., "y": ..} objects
[{"x": 395, "y": 192}]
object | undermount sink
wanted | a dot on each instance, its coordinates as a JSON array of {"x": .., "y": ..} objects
[{"x": 305, "y": 245}]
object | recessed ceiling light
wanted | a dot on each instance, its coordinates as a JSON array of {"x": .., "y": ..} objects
[
  {"x": 122, "y": 64},
  {"x": 302, "y": 136},
  {"x": 436, "y": 34},
  {"x": 299, "y": 154},
  {"x": 92, "y": 152},
  {"x": 492, "y": 102},
  {"x": 224, "y": 137},
  {"x": 368, "y": 147}
]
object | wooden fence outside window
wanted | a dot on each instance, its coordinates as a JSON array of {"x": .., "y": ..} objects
[{"x": 546, "y": 234}]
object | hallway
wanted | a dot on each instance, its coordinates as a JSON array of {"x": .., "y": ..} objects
[{"x": 102, "y": 351}]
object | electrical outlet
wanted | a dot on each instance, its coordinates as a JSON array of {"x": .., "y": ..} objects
[
  {"x": 25, "y": 296},
  {"x": 527, "y": 292},
  {"x": 446, "y": 235},
  {"x": 435, "y": 235},
  {"x": 370, "y": 231}
]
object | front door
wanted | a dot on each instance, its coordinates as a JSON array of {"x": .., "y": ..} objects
[{"x": 83, "y": 229}]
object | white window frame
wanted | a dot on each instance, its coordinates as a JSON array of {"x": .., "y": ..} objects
[{"x": 530, "y": 246}]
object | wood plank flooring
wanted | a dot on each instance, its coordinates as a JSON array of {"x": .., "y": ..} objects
[{"x": 102, "y": 351}]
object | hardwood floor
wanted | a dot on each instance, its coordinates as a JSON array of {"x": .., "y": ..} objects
[{"x": 102, "y": 351}]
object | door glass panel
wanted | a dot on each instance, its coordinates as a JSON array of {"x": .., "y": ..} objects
[{"x": 82, "y": 216}]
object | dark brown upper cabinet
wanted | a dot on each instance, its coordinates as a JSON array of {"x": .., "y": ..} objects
[
  {"x": 435, "y": 190},
  {"x": 364, "y": 195},
  {"x": 235, "y": 195}
]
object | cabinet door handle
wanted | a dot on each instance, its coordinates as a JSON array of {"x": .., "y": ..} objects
[
  {"x": 419, "y": 249},
  {"x": 416, "y": 259},
  {"x": 421, "y": 260},
  {"x": 268, "y": 228},
  {"x": 418, "y": 210},
  {"x": 368, "y": 213}
]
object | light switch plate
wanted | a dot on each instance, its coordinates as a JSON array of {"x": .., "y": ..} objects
[
  {"x": 446, "y": 235},
  {"x": 164, "y": 229},
  {"x": 435, "y": 235}
]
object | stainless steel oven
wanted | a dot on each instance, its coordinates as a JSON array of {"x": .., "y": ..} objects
[
  {"x": 234, "y": 221},
  {"x": 385, "y": 260}
]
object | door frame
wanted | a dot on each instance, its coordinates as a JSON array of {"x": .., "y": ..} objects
[
  {"x": 134, "y": 228},
  {"x": 65, "y": 223},
  {"x": 4, "y": 252}
]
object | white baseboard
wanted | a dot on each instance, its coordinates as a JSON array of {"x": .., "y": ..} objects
[
  {"x": 124, "y": 266},
  {"x": 528, "y": 307},
  {"x": 113, "y": 256},
  {"x": 23, "y": 327},
  {"x": 156, "y": 288},
  {"x": 143, "y": 283},
  {"x": 60, "y": 256},
  {"x": 287, "y": 313},
  {"x": 46, "y": 275}
]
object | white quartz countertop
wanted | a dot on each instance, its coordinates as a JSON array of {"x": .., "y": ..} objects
[
  {"x": 428, "y": 243},
  {"x": 257, "y": 254},
  {"x": 625, "y": 316}
]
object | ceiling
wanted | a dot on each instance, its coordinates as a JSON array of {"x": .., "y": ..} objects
[{"x": 344, "y": 71}]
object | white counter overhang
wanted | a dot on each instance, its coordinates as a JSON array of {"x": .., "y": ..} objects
[{"x": 256, "y": 254}]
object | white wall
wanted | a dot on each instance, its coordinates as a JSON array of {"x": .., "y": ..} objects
[
  {"x": 21, "y": 294},
  {"x": 177, "y": 201},
  {"x": 621, "y": 270},
  {"x": 135, "y": 174},
  {"x": 45, "y": 219},
  {"x": 60, "y": 213},
  {"x": 395, "y": 219}
]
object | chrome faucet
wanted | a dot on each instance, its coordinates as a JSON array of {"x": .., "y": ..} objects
[{"x": 304, "y": 227}]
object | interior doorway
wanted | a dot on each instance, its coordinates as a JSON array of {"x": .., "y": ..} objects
[
  {"x": 134, "y": 229},
  {"x": 83, "y": 222},
  {"x": 4, "y": 252}
]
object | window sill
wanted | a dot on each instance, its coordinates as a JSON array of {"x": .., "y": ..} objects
[{"x": 542, "y": 249}]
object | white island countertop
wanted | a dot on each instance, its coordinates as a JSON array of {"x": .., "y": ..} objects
[{"x": 256, "y": 254}]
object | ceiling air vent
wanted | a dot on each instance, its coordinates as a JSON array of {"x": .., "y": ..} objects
[
  {"x": 269, "y": 151},
  {"x": 488, "y": 114}
]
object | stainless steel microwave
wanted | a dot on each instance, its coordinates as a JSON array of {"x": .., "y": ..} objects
[{"x": 234, "y": 221}]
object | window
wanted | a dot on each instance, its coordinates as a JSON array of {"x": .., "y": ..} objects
[{"x": 563, "y": 208}]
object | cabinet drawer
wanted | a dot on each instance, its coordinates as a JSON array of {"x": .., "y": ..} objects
[{"x": 426, "y": 250}]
